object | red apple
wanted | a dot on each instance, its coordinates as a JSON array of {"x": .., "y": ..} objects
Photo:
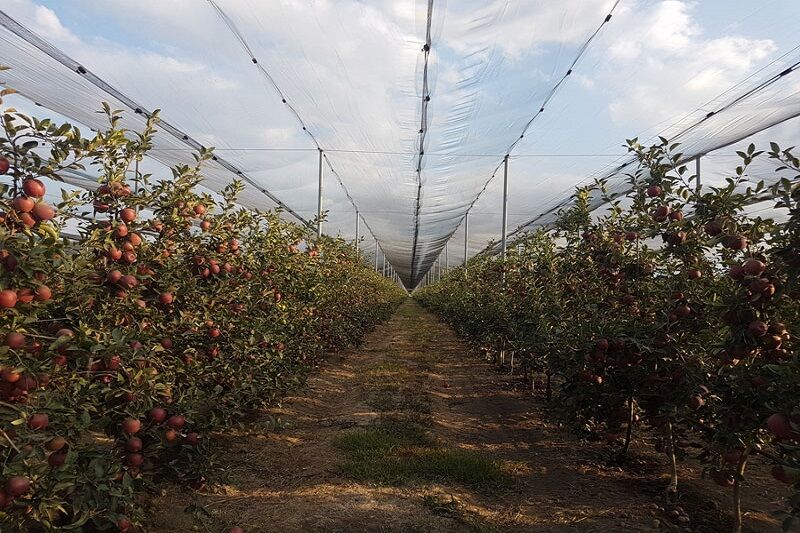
[{"x": 33, "y": 187}]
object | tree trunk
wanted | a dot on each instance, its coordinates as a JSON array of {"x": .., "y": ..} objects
[
  {"x": 737, "y": 492},
  {"x": 672, "y": 488},
  {"x": 629, "y": 429}
]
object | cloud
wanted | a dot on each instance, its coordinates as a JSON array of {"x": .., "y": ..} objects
[{"x": 667, "y": 53}]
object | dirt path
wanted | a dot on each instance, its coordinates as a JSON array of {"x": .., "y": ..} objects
[{"x": 411, "y": 433}]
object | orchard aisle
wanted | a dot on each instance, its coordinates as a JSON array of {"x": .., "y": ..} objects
[{"x": 411, "y": 433}]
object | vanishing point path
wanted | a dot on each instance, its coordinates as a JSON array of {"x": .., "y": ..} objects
[{"x": 410, "y": 432}]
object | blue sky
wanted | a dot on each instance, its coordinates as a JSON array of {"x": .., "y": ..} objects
[{"x": 352, "y": 69}]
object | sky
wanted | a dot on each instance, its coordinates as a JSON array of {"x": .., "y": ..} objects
[{"x": 353, "y": 72}]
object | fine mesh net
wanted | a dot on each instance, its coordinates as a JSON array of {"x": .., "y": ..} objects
[{"x": 414, "y": 104}]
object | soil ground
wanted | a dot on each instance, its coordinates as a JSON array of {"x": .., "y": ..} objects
[{"x": 411, "y": 432}]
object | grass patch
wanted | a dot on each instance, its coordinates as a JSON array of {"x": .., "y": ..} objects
[
  {"x": 398, "y": 454},
  {"x": 389, "y": 375},
  {"x": 385, "y": 400}
]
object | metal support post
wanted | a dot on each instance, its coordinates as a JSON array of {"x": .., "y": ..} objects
[
  {"x": 505, "y": 208},
  {"x": 697, "y": 173},
  {"x": 319, "y": 198},
  {"x": 376, "y": 255},
  {"x": 357, "y": 229},
  {"x": 466, "y": 240}
]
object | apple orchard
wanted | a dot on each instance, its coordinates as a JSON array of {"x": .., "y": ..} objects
[
  {"x": 169, "y": 316},
  {"x": 672, "y": 313}
]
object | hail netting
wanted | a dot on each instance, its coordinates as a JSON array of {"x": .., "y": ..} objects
[{"x": 268, "y": 83}]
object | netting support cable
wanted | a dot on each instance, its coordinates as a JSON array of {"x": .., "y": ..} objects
[
  {"x": 423, "y": 129},
  {"x": 55, "y": 53}
]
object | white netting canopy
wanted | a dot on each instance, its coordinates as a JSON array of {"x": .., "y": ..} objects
[{"x": 413, "y": 104}]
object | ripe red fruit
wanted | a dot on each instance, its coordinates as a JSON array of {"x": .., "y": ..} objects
[
  {"x": 205, "y": 225},
  {"x": 753, "y": 267},
  {"x": 192, "y": 439},
  {"x": 38, "y": 421},
  {"x": 129, "y": 257},
  {"x": 736, "y": 272},
  {"x": 694, "y": 273},
  {"x": 683, "y": 310},
  {"x": 15, "y": 340},
  {"x": 166, "y": 343},
  {"x": 43, "y": 211},
  {"x": 171, "y": 436},
  {"x": 722, "y": 479},
  {"x": 124, "y": 525},
  {"x": 27, "y": 219},
  {"x": 134, "y": 445},
  {"x": 23, "y": 204},
  {"x": 121, "y": 231},
  {"x": 713, "y": 228},
  {"x": 33, "y": 187},
  {"x": 128, "y": 214},
  {"x": 8, "y": 298},
  {"x": 25, "y": 295},
  {"x": 17, "y": 485},
  {"x": 654, "y": 191},
  {"x": 134, "y": 459},
  {"x": 134, "y": 239},
  {"x": 114, "y": 254},
  {"x": 55, "y": 444},
  {"x": 4, "y": 165},
  {"x": 128, "y": 281},
  {"x": 65, "y": 332},
  {"x": 166, "y": 298},
  {"x": 199, "y": 210},
  {"x": 43, "y": 293},
  {"x": 236, "y": 529},
  {"x": 757, "y": 328},
  {"x": 10, "y": 375},
  {"x": 696, "y": 402},
  {"x": 214, "y": 333},
  {"x": 735, "y": 242},
  {"x": 176, "y": 421},
  {"x": 131, "y": 425},
  {"x": 778, "y": 425},
  {"x": 56, "y": 459},
  {"x": 631, "y": 235},
  {"x": 660, "y": 213},
  {"x": 676, "y": 215},
  {"x": 158, "y": 414},
  {"x": 113, "y": 277}
]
